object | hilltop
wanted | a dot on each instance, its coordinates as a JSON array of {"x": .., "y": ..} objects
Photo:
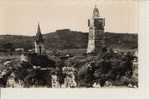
[{"x": 67, "y": 39}]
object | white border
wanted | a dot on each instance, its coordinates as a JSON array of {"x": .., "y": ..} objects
[{"x": 108, "y": 93}]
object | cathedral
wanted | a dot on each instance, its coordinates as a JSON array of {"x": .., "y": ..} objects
[
  {"x": 39, "y": 57},
  {"x": 96, "y": 32}
]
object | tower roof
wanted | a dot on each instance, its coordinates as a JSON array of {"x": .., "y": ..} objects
[
  {"x": 96, "y": 12},
  {"x": 38, "y": 37}
]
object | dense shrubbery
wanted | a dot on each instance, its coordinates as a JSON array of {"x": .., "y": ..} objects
[{"x": 116, "y": 68}]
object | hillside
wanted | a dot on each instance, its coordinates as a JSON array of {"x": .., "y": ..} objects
[
  {"x": 17, "y": 41},
  {"x": 66, "y": 39},
  {"x": 123, "y": 41}
]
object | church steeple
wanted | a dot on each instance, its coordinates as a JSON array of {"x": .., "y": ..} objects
[
  {"x": 39, "y": 37},
  {"x": 39, "y": 42},
  {"x": 38, "y": 28}
]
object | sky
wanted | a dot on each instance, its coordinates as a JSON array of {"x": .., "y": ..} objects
[{"x": 20, "y": 17}]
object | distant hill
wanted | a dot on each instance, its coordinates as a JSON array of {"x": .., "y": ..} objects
[
  {"x": 66, "y": 39},
  {"x": 121, "y": 40},
  {"x": 17, "y": 41}
]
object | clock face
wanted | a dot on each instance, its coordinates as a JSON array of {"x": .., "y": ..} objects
[
  {"x": 96, "y": 14},
  {"x": 99, "y": 24}
]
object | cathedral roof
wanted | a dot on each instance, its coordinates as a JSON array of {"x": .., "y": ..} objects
[{"x": 39, "y": 37}]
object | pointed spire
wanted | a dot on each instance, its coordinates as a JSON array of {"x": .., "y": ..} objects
[
  {"x": 39, "y": 37},
  {"x": 38, "y": 28}
]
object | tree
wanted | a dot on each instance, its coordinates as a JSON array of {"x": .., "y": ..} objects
[{"x": 8, "y": 47}]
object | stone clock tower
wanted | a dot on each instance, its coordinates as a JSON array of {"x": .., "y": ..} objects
[{"x": 96, "y": 32}]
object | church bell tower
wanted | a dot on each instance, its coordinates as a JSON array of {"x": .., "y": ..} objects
[
  {"x": 39, "y": 42},
  {"x": 96, "y": 32}
]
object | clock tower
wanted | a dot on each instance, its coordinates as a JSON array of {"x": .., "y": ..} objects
[{"x": 96, "y": 32}]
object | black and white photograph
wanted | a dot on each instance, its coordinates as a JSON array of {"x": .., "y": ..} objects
[{"x": 69, "y": 44}]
